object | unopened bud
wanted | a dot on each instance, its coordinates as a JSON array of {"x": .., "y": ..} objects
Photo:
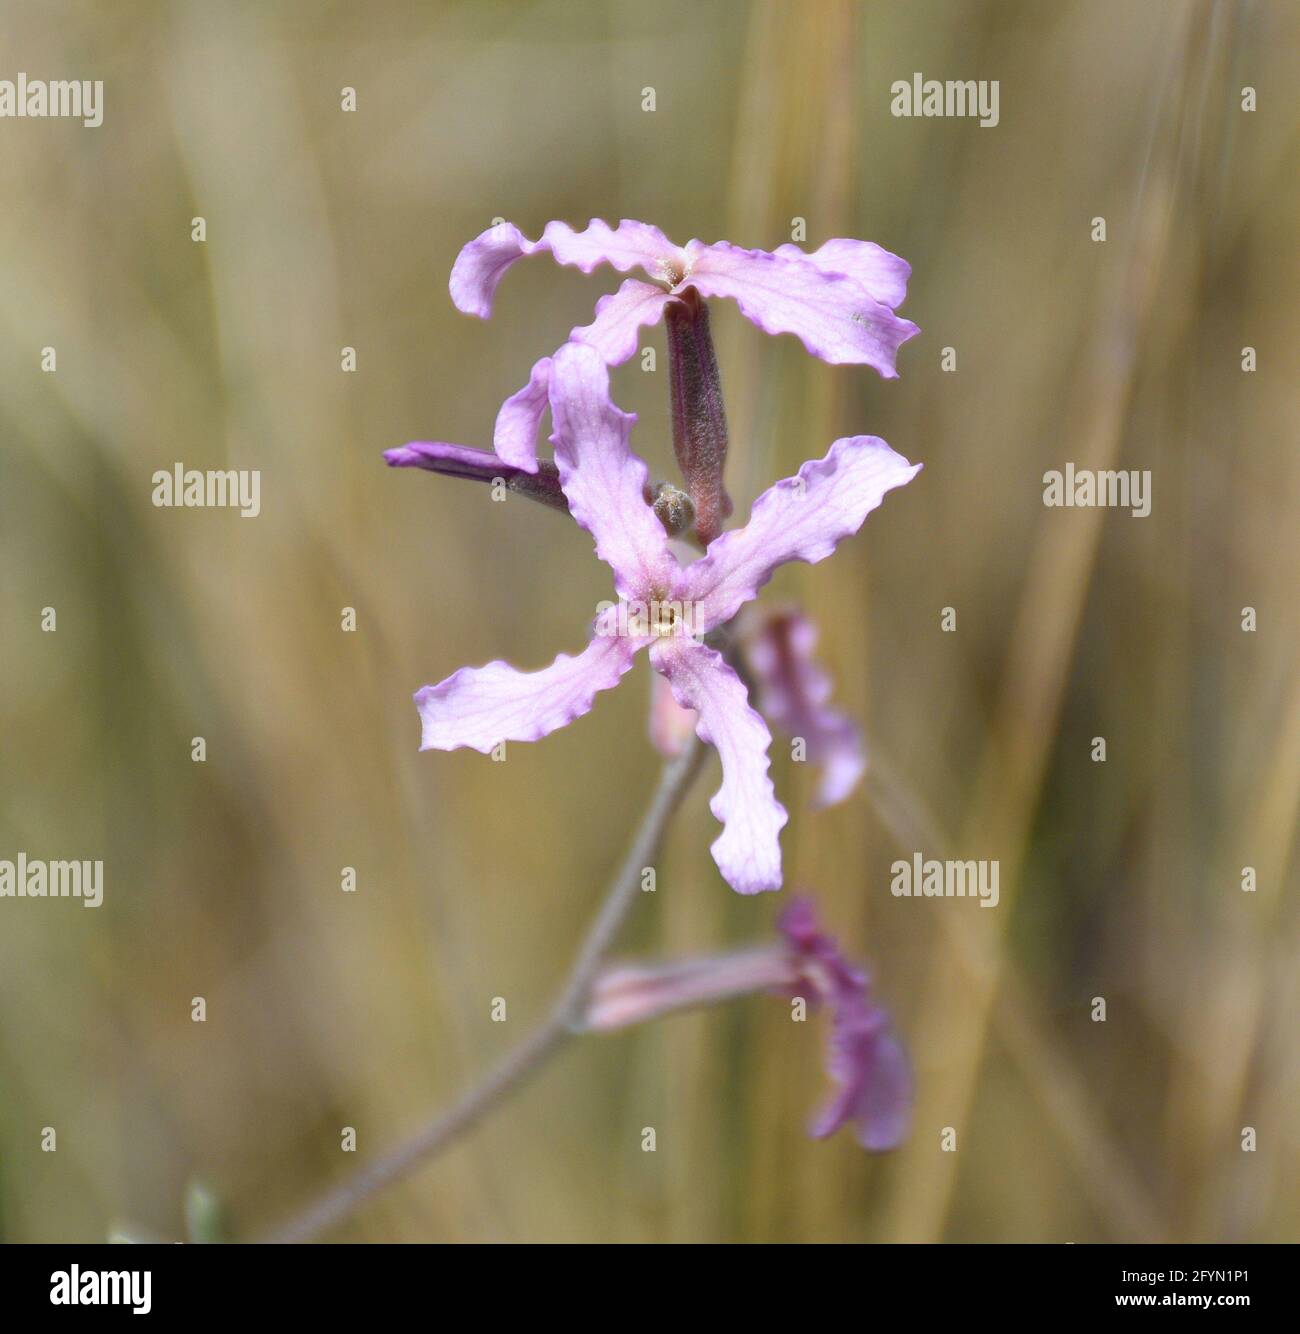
[
  {"x": 699, "y": 417},
  {"x": 674, "y": 508},
  {"x": 481, "y": 465}
]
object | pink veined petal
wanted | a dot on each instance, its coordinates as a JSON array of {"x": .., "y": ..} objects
[
  {"x": 604, "y": 481},
  {"x": 800, "y": 518},
  {"x": 627, "y": 246},
  {"x": 483, "y": 706},
  {"x": 883, "y": 275},
  {"x": 615, "y": 332},
  {"x": 830, "y": 313},
  {"x": 794, "y": 694},
  {"x": 481, "y": 265},
  {"x": 515, "y": 435},
  {"x": 748, "y": 851}
]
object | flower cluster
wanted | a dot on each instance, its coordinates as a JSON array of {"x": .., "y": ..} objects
[
  {"x": 839, "y": 301},
  {"x": 681, "y": 577}
]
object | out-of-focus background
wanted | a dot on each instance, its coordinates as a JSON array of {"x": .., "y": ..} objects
[{"x": 325, "y": 229}]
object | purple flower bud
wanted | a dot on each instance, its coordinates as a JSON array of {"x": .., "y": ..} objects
[
  {"x": 481, "y": 465},
  {"x": 699, "y": 418}
]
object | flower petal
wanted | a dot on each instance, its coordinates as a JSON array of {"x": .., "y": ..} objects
[
  {"x": 481, "y": 265},
  {"x": 615, "y": 332},
  {"x": 627, "y": 246},
  {"x": 882, "y": 1114},
  {"x": 520, "y": 418},
  {"x": 867, "y": 1063},
  {"x": 604, "y": 481},
  {"x": 748, "y": 851},
  {"x": 832, "y": 314},
  {"x": 483, "y": 706},
  {"x": 800, "y": 518},
  {"x": 793, "y": 691},
  {"x": 875, "y": 1079},
  {"x": 883, "y": 275}
]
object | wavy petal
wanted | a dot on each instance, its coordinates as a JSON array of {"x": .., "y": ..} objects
[
  {"x": 616, "y": 331},
  {"x": 515, "y": 435},
  {"x": 875, "y": 1079},
  {"x": 604, "y": 481},
  {"x": 881, "y": 274},
  {"x": 481, "y": 265},
  {"x": 865, "y": 1060},
  {"x": 483, "y": 706},
  {"x": 628, "y": 246},
  {"x": 832, "y": 314},
  {"x": 800, "y": 518},
  {"x": 748, "y": 851}
]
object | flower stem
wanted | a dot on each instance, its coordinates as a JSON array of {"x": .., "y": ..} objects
[{"x": 529, "y": 1056}]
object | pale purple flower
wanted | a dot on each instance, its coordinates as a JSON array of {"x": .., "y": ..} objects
[
  {"x": 666, "y": 607},
  {"x": 838, "y": 301},
  {"x": 865, "y": 1059}
]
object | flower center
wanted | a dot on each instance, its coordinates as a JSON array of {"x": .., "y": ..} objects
[
  {"x": 664, "y": 617},
  {"x": 671, "y": 272}
]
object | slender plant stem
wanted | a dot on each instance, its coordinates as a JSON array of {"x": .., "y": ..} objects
[{"x": 529, "y": 1056}]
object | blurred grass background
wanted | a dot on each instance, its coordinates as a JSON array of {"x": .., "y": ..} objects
[{"x": 328, "y": 229}]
